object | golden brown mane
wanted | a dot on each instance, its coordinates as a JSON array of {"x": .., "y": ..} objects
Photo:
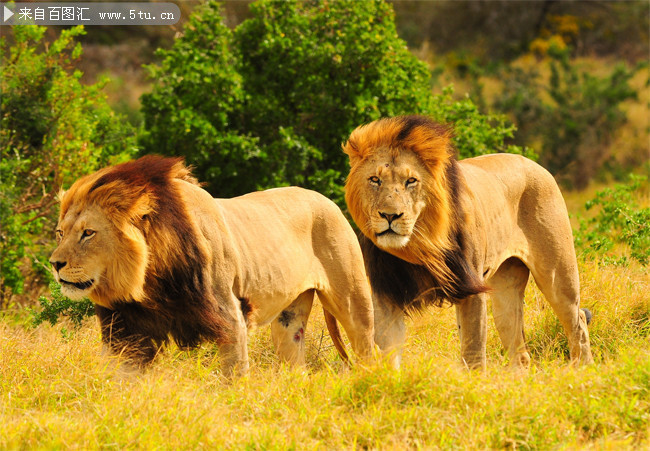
[
  {"x": 438, "y": 245},
  {"x": 127, "y": 190},
  {"x": 436, "y": 229},
  {"x": 158, "y": 276}
]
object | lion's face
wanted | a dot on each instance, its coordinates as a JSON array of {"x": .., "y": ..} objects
[
  {"x": 391, "y": 195},
  {"x": 79, "y": 262},
  {"x": 94, "y": 259}
]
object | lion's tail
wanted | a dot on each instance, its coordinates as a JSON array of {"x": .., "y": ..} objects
[{"x": 335, "y": 333}]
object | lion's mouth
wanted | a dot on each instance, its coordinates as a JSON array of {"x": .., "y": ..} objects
[
  {"x": 387, "y": 232},
  {"x": 79, "y": 285}
]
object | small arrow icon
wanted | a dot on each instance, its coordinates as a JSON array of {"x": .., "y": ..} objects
[{"x": 8, "y": 13}]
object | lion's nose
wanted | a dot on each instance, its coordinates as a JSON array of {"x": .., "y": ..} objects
[
  {"x": 390, "y": 217},
  {"x": 58, "y": 265}
]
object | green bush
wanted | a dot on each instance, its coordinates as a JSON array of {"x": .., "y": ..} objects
[
  {"x": 270, "y": 103},
  {"x": 476, "y": 133},
  {"x": 573, "y": 115},
  {"x": 620, "y": 225},
  {"x": 60, "y": 306},
  {"x": 53, "y": 129}
]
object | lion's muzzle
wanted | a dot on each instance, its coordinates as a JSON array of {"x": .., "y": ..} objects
[{"x": 79, "y": 285}]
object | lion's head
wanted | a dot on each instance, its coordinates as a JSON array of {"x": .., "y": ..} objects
[
  {"x": 396, "y": 190},
  {"x": 107, "y": 225},
  {"x": 402, "y": 192}
]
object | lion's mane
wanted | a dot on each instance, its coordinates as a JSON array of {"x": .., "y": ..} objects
[
  {"x": 159, "y": 281},
  {"x": 437, "y": 269}
]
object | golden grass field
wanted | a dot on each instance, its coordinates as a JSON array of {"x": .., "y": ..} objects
[{"x": 58, "y": 392}]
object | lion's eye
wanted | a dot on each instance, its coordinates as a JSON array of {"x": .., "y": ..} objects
[
  {"x": 87, "y": 233},
  {"x": 59, "y": 234},
  {"x": 375, "y": 180},
  {"x": 411, "y": 181}
]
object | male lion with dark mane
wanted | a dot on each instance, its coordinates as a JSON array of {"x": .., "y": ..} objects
[
  {"x": 160, "y": 257},
  {"x": 439, "y": 230}
]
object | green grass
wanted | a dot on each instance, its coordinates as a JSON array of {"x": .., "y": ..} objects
[{"x": 58, "y": 392}]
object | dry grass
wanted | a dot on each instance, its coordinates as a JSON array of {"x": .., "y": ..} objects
[{"x": 59, "y": 393}]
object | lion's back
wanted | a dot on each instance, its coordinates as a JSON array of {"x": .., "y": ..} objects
[
  {"x": 289, "y": 221},
  {"x": 294, "y": 205},
  {"x": 518, "y": 178}
]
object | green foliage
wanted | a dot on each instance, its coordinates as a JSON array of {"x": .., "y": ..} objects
[
  {"x": 270, "y": 103},
  {"x": 330, "y": 66},
  {"x": 573, "y": 115},
  {"x": 60, "y": 306},
  {"x": 619, "y": 222},
  {"x": 53, "y": 129},
  {"x": 476, "y": 133},
  {"x": 192, "y": 109}
]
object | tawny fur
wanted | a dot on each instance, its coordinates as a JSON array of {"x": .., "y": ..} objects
[
  {"x": 437, "y": 229},
  {"x": 161, "y": 258}
]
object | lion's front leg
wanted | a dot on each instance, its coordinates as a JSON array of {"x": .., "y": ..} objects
[
  {"x": 471, "y": 317},
  {"x": 130, "y": 339},
  {"x": 390, "y": 330},
  {"x": 234, "y": 351}
]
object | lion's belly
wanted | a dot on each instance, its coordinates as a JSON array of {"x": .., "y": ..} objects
[
  {"x": 271, "y": 287},
  {"x": 272, "y": 233}
]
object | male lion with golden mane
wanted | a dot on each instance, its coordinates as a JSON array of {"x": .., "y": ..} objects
[
  {"x": 160, "y": 257},
  {"x": 436, "y": 229}
]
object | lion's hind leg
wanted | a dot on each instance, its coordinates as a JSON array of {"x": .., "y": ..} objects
[
  {"x": 561, "y": 288},
  {"x": 552, "y": 261},
  {"x": 507, "y": 293},
  {"x": 351, "y": 305},
  {"x": 288, "y": 329}
]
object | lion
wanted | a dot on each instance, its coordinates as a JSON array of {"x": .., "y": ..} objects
[
  {"x": 437, "y": 230},
  {"x": 160, "y": 258}
]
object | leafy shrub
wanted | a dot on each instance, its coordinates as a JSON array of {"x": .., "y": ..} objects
[
  {"x": 193, "y": 108},
  {"x": 476, "y": 133},
  {"x": 620, "y": 223},
  {"x": 60, "y": 306},
  {"x": 573, "y": 115},
  {"x": 271, "y": 102},
  {"x": 323, "y": 68},
  {"x": 53, "y": 129}
]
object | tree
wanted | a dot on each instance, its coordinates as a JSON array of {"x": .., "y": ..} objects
[
  {"x": 270, "y": 103},
  {"x": 53, "y": 130}
]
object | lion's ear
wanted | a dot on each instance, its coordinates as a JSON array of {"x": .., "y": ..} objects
[
  {"x": 143, "y": 206},
  {"x": 124, "y": 201},
  {"x": 351, "y": 149}
]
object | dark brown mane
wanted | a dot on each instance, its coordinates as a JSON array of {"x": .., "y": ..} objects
[
  {"x": 412, "y": 287},
  {"x": 444, "y": 273},
  {"x": 178, "y": 299}
]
